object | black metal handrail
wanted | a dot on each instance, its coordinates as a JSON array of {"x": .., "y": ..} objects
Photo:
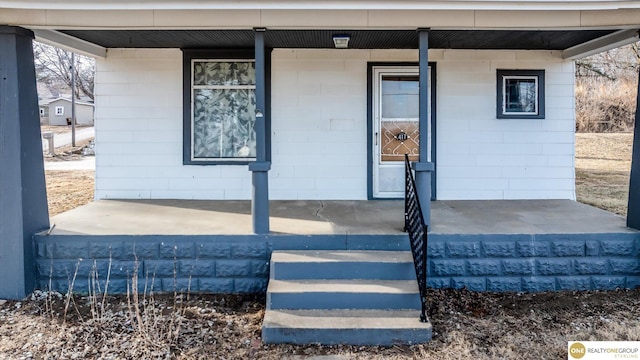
[{"x": 415, "y": 226}]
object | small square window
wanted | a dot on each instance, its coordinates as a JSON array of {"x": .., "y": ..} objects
[
  {"x": 59, "y": 110},
  {"x": 520, "y": 94}
]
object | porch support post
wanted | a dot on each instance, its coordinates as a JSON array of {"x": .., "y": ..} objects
[
  {"x": 23, "y": 196},
  {"x": 260, "y": 168},
  {"x": 424, "y": 167},
  {"x": 633, "y": 210}
]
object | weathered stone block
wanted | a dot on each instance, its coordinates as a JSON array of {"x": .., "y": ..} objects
[
  {"x": 632, "y": 282},
  {"x": 249, "y": 250},
  {"x": 178, "y": 250},
  {"x": 438, "y": 283},
  {"x": 44, "y": 250},
  {"x": 574, "y": 283},
  {"x": 504, "y": 284},
  {"x": 233, "y": 268},
  {"x": 214, "y": 250},
  {"x": 483, "y": 267},
  {"x": 499, "y": 248},
  {"x": 592, "y": 248},
  {"x": 250, "y": 285},
  {"x": 534, "y": 284},
  {"x": 160, "y": 268},
  {"x": 608, "y": 282},
  {"x": 117, "y": 286},
  {"x": 625, "y": 266},
  {"x": 553, "y": 266},
  {"x": 70, "y": 250},
  {"x": 518, "y": 267},
  {"x": 471, "y": 283},
  {"x": 138, "y": 250},
  {"x": 180, "y": 285},
  {"x": 260, "y": 268},
  {"x": 618, "y": 247},
  {"x": 590, "y": 266},
  {"x": 436, "y": 250},
  {"x": 127, "y": 269},
  {"x": 533, "y": 248},
  {"x": 463, "y": 249},
  {"x": 105, "y": 250},
  {"x": 447, "y": 267},
  {"x": 216, "y": 286},
  {"x": 197, "y": 268},
  {"x": 568, "y": 248}
]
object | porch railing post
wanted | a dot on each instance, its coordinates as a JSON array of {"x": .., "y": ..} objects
[
  {"x": 424, "y": 167},
  {"x": 633, "y": 210},
  {"x": 260, "y": 168},
  {"x": 23, "y": 196}
]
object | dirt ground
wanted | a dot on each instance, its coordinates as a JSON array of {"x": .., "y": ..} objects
[{"x": 467, "y": 325}]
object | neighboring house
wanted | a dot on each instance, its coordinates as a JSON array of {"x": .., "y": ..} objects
[
  {"x": 59, "y": 111},
  {"x": 43, "y": 109},
  {"x": 287, "y": 100}
]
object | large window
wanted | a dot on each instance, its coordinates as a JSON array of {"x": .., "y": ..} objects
[
  {"x": 220, "y": 107},
  {"x": 520, "y": 94}
]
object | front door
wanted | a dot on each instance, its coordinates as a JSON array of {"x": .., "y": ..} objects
[{"x": 395, "y": 126}]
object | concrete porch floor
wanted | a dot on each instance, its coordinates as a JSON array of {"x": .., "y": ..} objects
[{"x": 203, "y": 217}]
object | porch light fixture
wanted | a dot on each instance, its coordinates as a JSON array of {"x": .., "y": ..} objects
[{"x": 341, "y": 41}]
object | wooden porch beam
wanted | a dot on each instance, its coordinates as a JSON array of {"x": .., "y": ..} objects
[
  {"x": 73, "y": 44},
  {"x": 601, "y": 44},
  {"x": 633, "y": 210},
  {"x": 260, "y": 168},
  {"x": 424, "y": 168}
]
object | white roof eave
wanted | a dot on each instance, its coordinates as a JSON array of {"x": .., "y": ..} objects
[{"x": 322, "y": 5}]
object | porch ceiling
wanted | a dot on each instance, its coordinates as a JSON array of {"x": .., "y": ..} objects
[{"x": 360, "y": 39}]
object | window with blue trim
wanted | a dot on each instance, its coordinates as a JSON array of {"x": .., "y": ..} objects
[
  {"x": 520, "y": 94},
  {"x": 223, "y": 110}
]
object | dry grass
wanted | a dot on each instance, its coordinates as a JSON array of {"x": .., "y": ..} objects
[
  {"x": 604, "y": 105},
  {"x": 603, "y": 163},
  {"x": 467, "y": 325},
  {"x": 67, "y": 190}
]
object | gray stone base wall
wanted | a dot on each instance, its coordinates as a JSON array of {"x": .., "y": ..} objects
[
  {"x": 240, "y": 263},
  {"x": 534, "y": 262},
  {"x": 163, "y": 263}
]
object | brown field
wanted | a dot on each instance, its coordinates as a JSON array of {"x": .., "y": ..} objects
[
  {"x": 67, "y": 190},
  {"x": 467, "y": 325},
  {"x": 603, "y": 162}
]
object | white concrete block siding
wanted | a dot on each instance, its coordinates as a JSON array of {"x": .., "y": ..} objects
[{"x": 319, "y": 128}]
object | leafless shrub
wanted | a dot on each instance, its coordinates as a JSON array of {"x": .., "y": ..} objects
[{"x": 604, "y": 105}]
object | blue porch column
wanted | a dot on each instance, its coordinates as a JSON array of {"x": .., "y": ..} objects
[
  {"x": 424, "y": 167},
  {"x": 23, "y": 196},
  {"x": 633, "y": 211},
  {"x": 260, "y": 168}
]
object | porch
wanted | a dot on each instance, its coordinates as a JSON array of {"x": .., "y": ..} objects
[
  {"x": 322, "y": 217},
  {"x": 208, "y": 246}
]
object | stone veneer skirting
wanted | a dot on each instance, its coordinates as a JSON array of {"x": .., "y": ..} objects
[{"x": 240, "y": 263}]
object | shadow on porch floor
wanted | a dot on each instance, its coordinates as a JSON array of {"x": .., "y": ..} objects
[{"x": 203, "y": 217}]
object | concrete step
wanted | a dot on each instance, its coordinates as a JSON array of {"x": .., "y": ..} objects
[
  {"x": 355, "y": 327},
  {"x": 384, "y": 265},
  {"x": 343, "y": 294}
]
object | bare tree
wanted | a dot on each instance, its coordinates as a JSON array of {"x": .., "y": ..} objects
[
  {"x": 620, "y": 63},
  {"x": 53, "y": 67}
]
